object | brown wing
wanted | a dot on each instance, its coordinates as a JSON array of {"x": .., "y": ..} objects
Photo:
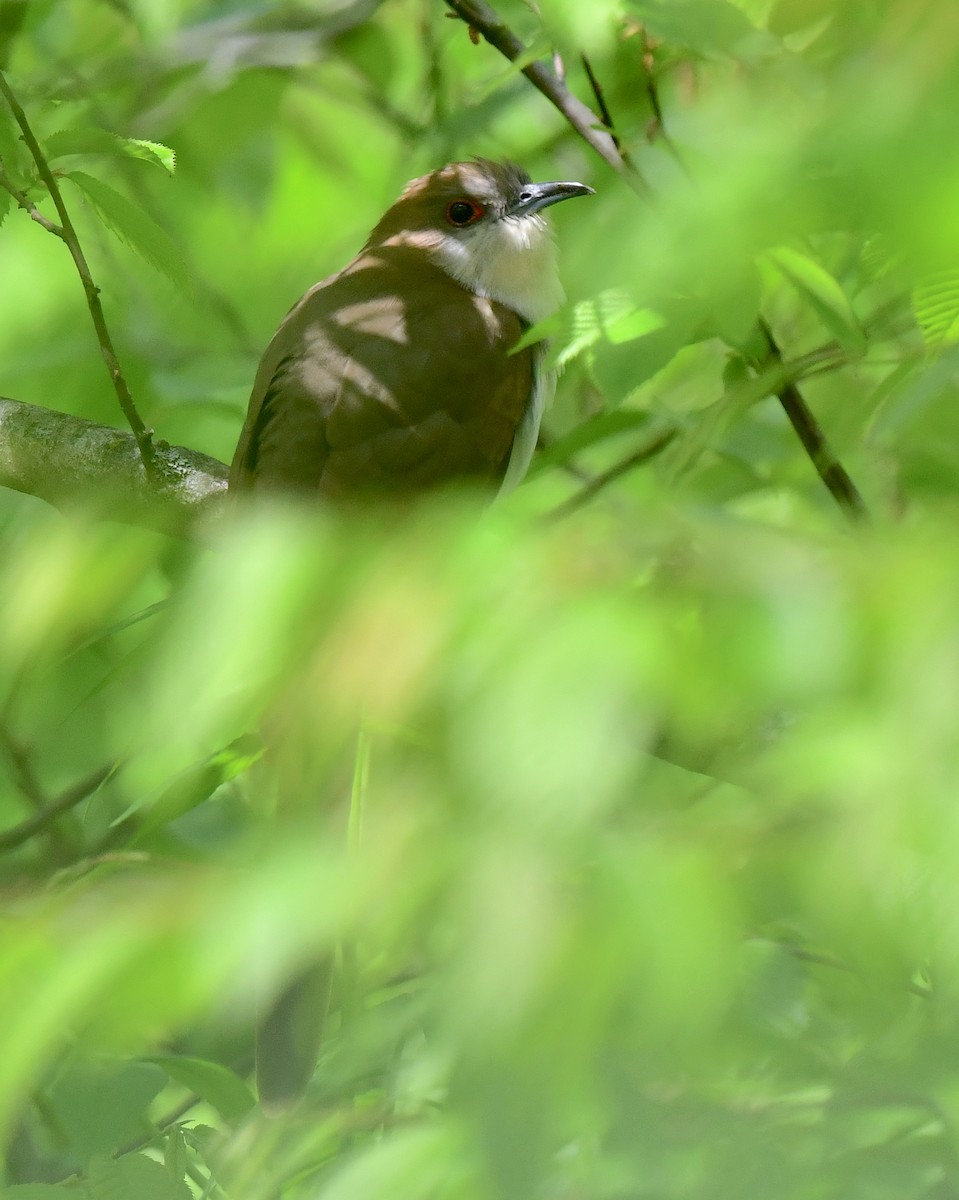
[{"x": 388, "y": 377}]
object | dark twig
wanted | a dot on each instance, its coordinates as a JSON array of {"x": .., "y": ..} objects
[
  {"x": 649, "y": 450},
  {"x": 604, "y": 111},
  {"x": 830, "y": 469},
  {"x": 144, "y": 436},
  {"x": 42, "y": 820},
  {"x": 481, "y": 17},
  {"x": 24, "y": 775}
]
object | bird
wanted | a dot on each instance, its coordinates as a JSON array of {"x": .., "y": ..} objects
[{"x": 397, "y": 375}]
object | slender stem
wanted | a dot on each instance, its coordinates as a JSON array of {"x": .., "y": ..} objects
[
  {"x": 43, "y": 818},
  {"x": 647, "y": 451},
  {"x": 144, "y": 436},
  {"x": 27, "y": 205},
  {"x": 46, "y": 811}
]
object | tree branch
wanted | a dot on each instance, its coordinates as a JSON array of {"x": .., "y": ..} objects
[
  {"x": 479, "y": 16},
  {"x": 144, "y": 436},
  {"x": 76, "y": 464}
]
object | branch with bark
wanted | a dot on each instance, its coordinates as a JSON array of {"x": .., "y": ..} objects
[{"x": 76, "y": 464}]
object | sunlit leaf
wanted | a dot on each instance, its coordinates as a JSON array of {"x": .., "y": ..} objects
[{"x": 99, "y": 142}]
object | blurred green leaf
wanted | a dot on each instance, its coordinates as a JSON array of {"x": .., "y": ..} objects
[
  {"x": 590, "y": 432},
  {"x": 217, "y": 1085},
  {"x": 936, "y": 304},
  {"x": 815, "y": 285},
  {"x": 406, "y": 1165},
  {"x": 133, "y": 1177},
  {"x": 704, "y": 26},
  {"x": 99, "y": 1106}
]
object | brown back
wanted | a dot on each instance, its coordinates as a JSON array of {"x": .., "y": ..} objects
[{"x": 388, "y": 377}]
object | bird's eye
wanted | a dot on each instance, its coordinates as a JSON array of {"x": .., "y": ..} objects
[{"x": 463, "y": 212}]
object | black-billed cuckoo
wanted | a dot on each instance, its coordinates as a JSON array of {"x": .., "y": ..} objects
[{"x": 395, "y": 374}]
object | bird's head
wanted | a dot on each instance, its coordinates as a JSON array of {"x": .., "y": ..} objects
[{"x": 482, "y": 222}]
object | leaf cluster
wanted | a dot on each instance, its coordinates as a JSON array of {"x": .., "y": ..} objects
[{"x": 630, "y": 831}]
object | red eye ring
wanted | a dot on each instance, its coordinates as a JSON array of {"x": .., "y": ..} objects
[{"x": 462, "y": 212}]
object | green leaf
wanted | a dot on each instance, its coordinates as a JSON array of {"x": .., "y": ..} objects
[
  {"x": 197, "y": 783},
  {"x": 5, "y": 202},
  {"x": 612, "y": 316},
  {"x": 134, "y": 1177},
  {"x": 175, "y": 1153},
  {"x": 935, "y": 302},
  {"x": 629, "y": 326},
  {"x": 216, "y": 1084},
  {"x": 99, "y": 1106},
  {"x": 406, "y": 1162},
  {"x": 133, "y": 226},
  {"x": 98, "y": 141},
  {"x": 824, "y": 294}
]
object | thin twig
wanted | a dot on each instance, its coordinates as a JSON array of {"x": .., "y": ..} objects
[
  {"x": 604, "y": 111},
  {"x": 27, "y": 204},
  {"x": 161, "y": 1127},
  {"x": 144, "y": 436},
  {"x": 649, "y": 450},
  {"x": 481, "y": 17},
  {"x": 43, "y": 818}
]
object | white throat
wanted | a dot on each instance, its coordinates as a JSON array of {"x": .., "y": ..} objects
[{"x": 512, "y": 260}]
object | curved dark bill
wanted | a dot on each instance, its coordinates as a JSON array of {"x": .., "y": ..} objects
[{"x": 535, "y": 196}]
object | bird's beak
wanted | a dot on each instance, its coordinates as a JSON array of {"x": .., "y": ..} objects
[{"x": 535, "y": 196}]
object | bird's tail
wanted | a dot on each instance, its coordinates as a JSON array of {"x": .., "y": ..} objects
[{"x": 288, "y": 1037}]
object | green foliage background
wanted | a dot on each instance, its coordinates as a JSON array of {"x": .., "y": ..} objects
[{"x": 635, "y": 830}]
